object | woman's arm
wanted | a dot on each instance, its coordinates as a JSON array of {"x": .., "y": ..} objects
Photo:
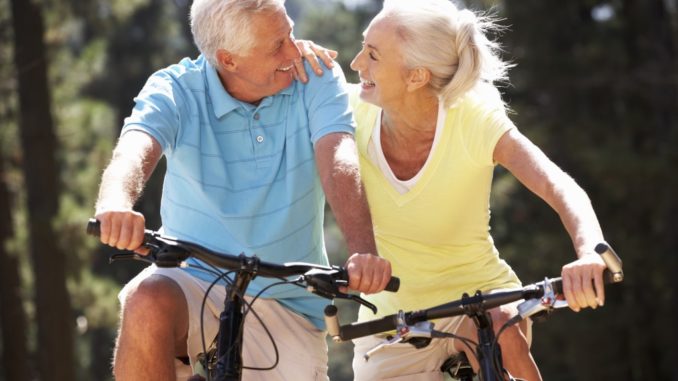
[{"x": 582, "y": 279}]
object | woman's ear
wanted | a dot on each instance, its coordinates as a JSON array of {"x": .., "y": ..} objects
[
  {"x": 418, "y": 78},
  {"x": 226, "y": 61}
]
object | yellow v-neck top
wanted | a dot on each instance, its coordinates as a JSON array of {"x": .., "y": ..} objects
[{"x": 436, "y": 235}]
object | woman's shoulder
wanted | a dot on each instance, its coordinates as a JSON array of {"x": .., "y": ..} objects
[{"x": 482, "y": 99}]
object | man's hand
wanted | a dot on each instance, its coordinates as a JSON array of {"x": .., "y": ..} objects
[
  {"x": 583, "y": 282},
  {"x": 313, "y": 53},
  {"x": 123, "y": 229},
  {"x": 368, "y": 273}
]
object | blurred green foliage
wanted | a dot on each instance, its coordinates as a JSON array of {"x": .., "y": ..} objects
[{"x": 596, "y": 87}]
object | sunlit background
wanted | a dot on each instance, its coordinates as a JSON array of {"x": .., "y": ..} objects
[{"x": 595, "y": 86}]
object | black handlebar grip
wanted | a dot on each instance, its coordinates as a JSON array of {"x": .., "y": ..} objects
[
  {"x": 352, "y": 331},
  {"x": 393, "y": 284},
  {"x": 93, "y": 227}
]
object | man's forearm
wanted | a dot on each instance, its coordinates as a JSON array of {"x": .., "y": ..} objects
[
  {"x": 349, "y": 205},
  {"x": 122, "y": 183},
  {"x": 340, "y": 176}
]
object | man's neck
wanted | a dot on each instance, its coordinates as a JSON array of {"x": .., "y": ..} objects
[{"x": 230, "y": 85}]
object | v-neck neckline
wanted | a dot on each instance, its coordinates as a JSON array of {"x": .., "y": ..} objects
[{"x": 409, "y": 191}]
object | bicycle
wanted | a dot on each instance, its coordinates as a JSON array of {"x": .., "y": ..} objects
[
  {"x": 225, "y": 363},
  {"x": 415, "y": 327}
]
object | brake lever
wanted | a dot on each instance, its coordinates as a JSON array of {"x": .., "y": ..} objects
[
  {"x": 546, "y": 303},
  {"x": 327, "y": 283},
  {"x": 164, "y": 253},
  {"x": 360, "y": 300},
  {"x": 130, "y": 256},
  {"x": 418, "y": 335}
]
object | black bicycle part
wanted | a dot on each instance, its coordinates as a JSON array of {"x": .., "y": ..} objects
[
  {"x": 167, "y": 251},
  {"x": 458, "y": 367},
  {"x": 164, "y": 251},
  {"x": 472, "y": 306}
]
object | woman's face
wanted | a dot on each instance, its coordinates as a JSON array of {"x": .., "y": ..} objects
[{"x": 383, "y": 75}]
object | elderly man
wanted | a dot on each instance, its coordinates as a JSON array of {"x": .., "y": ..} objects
[{"x": 251, "y": 155}]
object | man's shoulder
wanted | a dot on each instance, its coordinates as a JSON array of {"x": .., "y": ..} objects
[
  {"x": 187, "y": 71},
  {"x": 330, "y": 77}
]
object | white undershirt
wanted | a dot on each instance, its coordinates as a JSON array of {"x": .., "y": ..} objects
[{"x": 376, "y": 154}]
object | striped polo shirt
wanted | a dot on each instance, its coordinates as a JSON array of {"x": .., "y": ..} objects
[{"x": 242, "y": 178}]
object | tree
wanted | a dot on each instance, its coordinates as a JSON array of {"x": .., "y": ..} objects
[
  {"x": 12, "y": 314},
  {"x": 596, "y": 87},
  {"x": 41, "y": 176}
]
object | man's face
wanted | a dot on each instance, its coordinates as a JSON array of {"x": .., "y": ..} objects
[{"x": 268, "y": 67}]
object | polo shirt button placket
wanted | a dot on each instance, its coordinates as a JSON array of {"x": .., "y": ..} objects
[{"x": 259, "y": 138}]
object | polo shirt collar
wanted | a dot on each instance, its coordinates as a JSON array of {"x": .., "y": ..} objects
[{"x": 222, "y": 101}]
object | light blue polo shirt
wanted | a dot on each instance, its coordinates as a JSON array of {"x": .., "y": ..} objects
[{"x": 243, "y": 178}]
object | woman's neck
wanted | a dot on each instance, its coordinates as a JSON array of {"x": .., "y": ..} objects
[
  {"x": 412, "y": 120},
  {"x": 407, "y": 133}
]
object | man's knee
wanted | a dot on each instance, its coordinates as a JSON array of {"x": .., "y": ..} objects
[{"x": 157, "y": 301}]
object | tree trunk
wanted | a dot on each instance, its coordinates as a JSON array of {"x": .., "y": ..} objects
[
  {"x": 12, "y": 315},
  {"x": 53, "y": 311}
]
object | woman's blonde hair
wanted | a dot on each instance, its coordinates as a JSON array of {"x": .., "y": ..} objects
[
  {"x": 225, "y": 24},
  {"x": 451, "y": 43}
]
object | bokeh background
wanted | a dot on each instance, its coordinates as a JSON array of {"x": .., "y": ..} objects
[{"x": 595, "y": 86}]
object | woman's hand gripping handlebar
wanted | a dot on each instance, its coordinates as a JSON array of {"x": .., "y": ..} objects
[
  {"x": 540, "y": 298},
  {"x": 165, "y": 251}
]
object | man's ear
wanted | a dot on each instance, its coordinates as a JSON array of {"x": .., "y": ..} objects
[
  {"x": 418, "y": 78},
  {"x": 226, "y": 61}
]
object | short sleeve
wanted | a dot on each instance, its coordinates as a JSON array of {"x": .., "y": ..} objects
[
  {"x": 156, "y": 110},
  {"x": 327, "y": 103},
  {"x": 485, "y": 122}
]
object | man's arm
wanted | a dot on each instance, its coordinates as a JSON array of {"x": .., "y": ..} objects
[
  {"x": 337, "y": 161},
  {"x": 134, "y": 159}
]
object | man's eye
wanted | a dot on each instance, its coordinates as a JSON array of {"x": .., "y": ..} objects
[{"x": 372, "y": 56}]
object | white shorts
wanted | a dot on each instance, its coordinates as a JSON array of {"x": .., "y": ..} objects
[{"x": 302, "y": 349}]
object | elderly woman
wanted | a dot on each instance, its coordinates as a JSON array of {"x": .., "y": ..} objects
[{"x": 431, "y": 128}]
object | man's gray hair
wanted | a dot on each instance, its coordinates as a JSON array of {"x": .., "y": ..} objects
[{"x": 225, "y": 24}]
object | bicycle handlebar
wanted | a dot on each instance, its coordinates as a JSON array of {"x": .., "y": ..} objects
[
  {"x": 171, "y": 252},
  {"x": 465, "y": 305}
]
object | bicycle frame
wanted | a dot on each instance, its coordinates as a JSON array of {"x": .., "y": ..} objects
[
  {"x": 324, "y": 281},
  {"x": 539, "y": 298}
]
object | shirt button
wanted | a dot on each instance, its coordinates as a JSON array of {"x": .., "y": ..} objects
[
  {"x": 256, "y": 116},
  {"x": 260, "y": 138}
]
